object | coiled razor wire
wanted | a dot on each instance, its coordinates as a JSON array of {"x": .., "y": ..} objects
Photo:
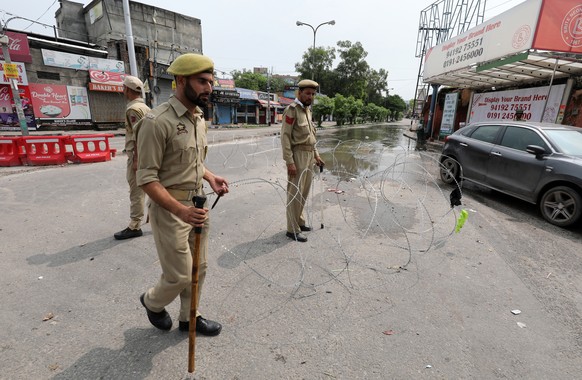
[{"x": 383, "y": 208}]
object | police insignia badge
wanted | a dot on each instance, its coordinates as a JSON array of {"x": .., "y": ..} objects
[{"x": 181, "y": 129}]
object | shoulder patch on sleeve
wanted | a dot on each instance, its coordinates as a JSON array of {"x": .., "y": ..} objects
[{"x": 289, "y": 119}]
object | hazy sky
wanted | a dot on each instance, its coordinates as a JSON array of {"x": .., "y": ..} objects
[{"x": 245, "y": 34}]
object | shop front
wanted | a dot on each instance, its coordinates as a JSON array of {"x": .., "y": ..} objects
[
  {"x": 225, "y": 102},
  {"x": 522, "y": 64},
  {"x": 247, "y": 110}
]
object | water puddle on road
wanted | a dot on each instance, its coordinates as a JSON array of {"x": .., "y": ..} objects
[{"x": 354, "y": 152}]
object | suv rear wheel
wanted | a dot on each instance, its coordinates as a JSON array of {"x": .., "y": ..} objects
[
  {"x": 561, "y": 206},
  {"x": 450, "y": 170}
]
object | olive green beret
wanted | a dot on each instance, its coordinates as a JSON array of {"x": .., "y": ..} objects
[
  {"x": 307, "y": 83},
  {"x": 190, "y": 64}
]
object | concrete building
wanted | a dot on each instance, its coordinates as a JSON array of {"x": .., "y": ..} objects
[{"x": 159, "y": 36}]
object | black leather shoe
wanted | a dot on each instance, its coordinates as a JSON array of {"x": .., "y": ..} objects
[
  {"x": 128, "y": 233},
  {"x": 305, "y": 228},
  {"x": 160, "y": 320},
  {"x": 203, "y": 326},
  {"x": 299, "y": 237}
]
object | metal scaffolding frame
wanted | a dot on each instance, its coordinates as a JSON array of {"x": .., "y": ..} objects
[{"x": 439, "y": 22}]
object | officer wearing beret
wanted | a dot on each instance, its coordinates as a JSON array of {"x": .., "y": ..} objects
[
  {"x": 172, "y": 147},
  {"x": 134, "y": 112},
  {"x": 299, "y": 152}
]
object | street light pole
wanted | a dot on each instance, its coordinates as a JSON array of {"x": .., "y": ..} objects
[{"x": 299, "y": 23}]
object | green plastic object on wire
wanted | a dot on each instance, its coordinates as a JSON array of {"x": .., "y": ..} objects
[{"x": 461, "y": 221}]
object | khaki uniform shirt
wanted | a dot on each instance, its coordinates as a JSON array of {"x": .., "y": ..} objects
[
  {"x": 172, "y": 147},
  {"x": 134, "y": 112},
  {"x": 297, "y": 131}
]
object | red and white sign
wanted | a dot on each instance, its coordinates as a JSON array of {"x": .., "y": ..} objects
[
  {"x": 560, "y": 26},
  {"x": 502, "y": 105},
  {"x": 509, "y": 33},
  {"x": 17, "y": 47},
  {"x": 51, "y": 101},
  {"x": 5, "y": 79},
  {"x": 106, "y": 77},
  {"x": 8, "y": 116},
  {"x": 105, "y": 87}
]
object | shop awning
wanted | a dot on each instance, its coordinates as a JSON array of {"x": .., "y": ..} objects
[
  {"x": 513, "y": 70},
  {"x": 273, "y": 104}
]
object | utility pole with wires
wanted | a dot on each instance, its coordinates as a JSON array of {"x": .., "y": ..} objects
[{"x": 11, "y": 72}]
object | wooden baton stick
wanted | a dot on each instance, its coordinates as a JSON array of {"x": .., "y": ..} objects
[{"x": 198, "y": 203}]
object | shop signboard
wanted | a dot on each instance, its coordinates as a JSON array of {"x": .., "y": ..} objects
[
  {"x": 449, "y": 113},
  {"x": 17, "y": 47},
  {"x": 60, "y": 104},
  {"x": 8, "y": 116},
  {"x": 21, "y": 77},
  {"x": 509, "y": 33},
  {"x": 80, "y": 62},
  {"x": 109, "y": 65},
  {"x": 65, "y": 60},
  {"x": 560, "y": 27},
  {"x": 225, "y": 83},
  {"x": 106, "y": 77},
  {"x": 502, "y": 105}
]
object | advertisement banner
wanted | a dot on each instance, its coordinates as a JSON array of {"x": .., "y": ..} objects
[
  {"x": 109, "y": 65},
  {"x": 52, "y": 101},
  {"x": 560, "y": 27},
  {"x": 502, "y": 105},
  {"x": 106, "y": 77},
  {"x": 449, "y": 113},
  {"x": 65, "y": 60},
  {"x": 509, "y": 33},
  {"x": 17, "y": 47},
  {"x": 8, "y": 116},
  {"x": 5, "y": 79}
]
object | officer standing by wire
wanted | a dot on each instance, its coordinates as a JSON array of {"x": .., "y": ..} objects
[
  {"x": 134, "y": 112},
  {"x": 172, "y": 147},
  {"x": 299, "y": 152}
]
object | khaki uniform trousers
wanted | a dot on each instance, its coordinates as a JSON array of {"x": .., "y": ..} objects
[
  {"x": 136, "y": 196},
  {"x": 175, "y": 243},
  {"x": 298, "y": 189}
]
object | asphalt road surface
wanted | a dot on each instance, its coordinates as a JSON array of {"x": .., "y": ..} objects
[{"x": 386, "y": 290}]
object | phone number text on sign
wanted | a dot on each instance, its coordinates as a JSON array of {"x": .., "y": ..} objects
[{"x": 507, "y": 116}]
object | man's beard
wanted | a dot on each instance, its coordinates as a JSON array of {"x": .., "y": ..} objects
[{"x": 194, "y": 97}]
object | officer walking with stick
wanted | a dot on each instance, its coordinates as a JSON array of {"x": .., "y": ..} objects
[{"x": 172, "y": 147}]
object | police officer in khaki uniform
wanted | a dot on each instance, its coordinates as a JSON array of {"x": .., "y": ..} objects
[
  {"x": 172, "y": 146},
  {"x": 299, "y": 152},
  {"x": 134, "y": 112}
]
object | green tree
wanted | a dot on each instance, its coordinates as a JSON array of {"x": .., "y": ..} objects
[
  {"x": 322, "y": 59},
  {"x": 352, "y": 70},
  {"x": 258, "y": 82},
  {"x": 377, "y": 85},
  {"x": 323, "y": 106},
  {"x": 341, "y": 109},
  {"x": 355, "y": 107},
  {"x": 249, "y": 80},
  {"x": 395, "y": 104}
]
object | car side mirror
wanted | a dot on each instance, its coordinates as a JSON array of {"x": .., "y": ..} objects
[{"x": 536, "y": 150}]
